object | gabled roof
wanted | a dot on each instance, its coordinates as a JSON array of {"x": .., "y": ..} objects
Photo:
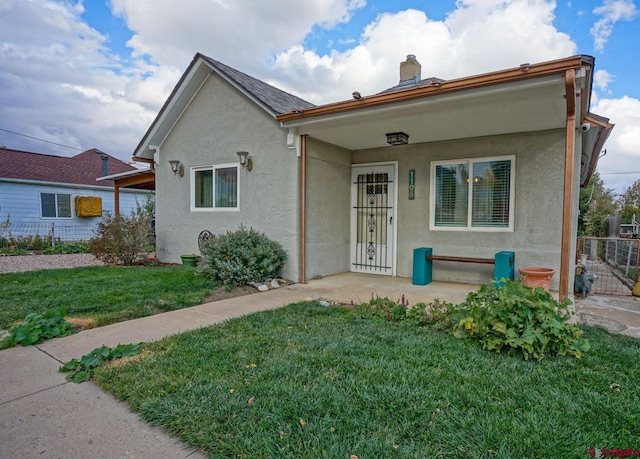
[
  {"x": 81, "y": 169},
  {"x": 275, "y": 100},
  {"x": 271, "y": 99}
]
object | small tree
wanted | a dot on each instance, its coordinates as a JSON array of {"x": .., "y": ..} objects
[
  {"x": 123, "y": 239},
  {"x": 630, "y": 202},
  {"x": 597, "y": 203}
]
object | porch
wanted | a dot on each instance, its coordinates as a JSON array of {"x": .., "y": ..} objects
[{"x": 616, "y": 314}]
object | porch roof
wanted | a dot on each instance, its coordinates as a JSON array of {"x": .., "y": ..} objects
[{"x": 528, "y": 98}]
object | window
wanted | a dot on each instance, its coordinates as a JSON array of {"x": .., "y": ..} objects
[
  {"x": 214, "y": 187},
  {"x": 54, "y": 205},
  {"x": 473, "y": 194}
]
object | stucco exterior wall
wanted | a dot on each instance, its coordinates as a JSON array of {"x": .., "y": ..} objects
[
  {"x": 328, "y": 209},
  {"x": 219, "y": 122},
  {"x": 536, "y": 238}
]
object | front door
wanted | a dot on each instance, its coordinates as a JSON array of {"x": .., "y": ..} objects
[{"x": 372, "y": 218}]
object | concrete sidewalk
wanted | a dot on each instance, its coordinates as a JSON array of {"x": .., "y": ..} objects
[{"x": 44, "y": 416}]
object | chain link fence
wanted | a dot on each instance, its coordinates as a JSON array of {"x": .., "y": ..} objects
[
  {"x": 614, "y": 260},
  {"x": 39, "y": 236}
]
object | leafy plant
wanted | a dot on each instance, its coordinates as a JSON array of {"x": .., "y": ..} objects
[
  {"x": 122, "y": 239},
  {"x": 242, "y": 256},
  {"x": 37, "y": 328},
  {"x": 67, "y": 247},
  {"x": 82, "y": 370},
  {"x": 517, "y": 320}
]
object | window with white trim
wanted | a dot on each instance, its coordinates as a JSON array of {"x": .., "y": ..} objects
[
  {"x": 215, "y": 187},
  {"x": 473, "y": 194},
  {"x": 55, "y": 205}
]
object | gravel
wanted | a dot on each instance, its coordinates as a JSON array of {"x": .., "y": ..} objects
[{"x": 22, "y": 263}]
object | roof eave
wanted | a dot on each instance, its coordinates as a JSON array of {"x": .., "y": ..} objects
[
  {"x": 523, "y": 72},
  {"x": 604, "y": 128}
]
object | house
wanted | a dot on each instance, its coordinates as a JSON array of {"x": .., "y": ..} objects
[
  {"x": 468, "y": 167},
  {"x": 43, "y": 193}
]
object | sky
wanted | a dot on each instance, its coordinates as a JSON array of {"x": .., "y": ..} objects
[{"x": 76, "y": 75}]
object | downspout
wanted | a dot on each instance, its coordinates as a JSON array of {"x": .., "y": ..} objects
[
  {"x": 567, "y": 208},
  {"x": 303, "y": 209}
]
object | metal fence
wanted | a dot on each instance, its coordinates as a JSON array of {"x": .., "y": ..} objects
[
  {"x": 614, "y": 260},
  {"x": 38, "y": 236}
]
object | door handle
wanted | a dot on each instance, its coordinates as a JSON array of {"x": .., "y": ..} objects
[{"x": 391, "y": 220}]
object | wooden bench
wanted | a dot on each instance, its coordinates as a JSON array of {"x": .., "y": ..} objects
[{"x": 423, "y": 258}]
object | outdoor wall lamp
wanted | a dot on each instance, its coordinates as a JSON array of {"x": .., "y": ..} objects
[
  {"x": 177, "y": 167},
  {"x": 245, "y": 161},
  {"x": 397, "y": 138}
]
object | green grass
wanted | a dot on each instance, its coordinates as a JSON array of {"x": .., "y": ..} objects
[
  {"x": 308, "y": 381},
  {"x": 104, "y": 293}
]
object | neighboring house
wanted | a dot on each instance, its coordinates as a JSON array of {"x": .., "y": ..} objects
[
  {"x": 40, "y": 192},
  {"x": 469, "y": 167}
]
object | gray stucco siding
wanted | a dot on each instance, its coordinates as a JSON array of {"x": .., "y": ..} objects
[
  {"x": 218, "y": 122},
  {"x": 536, "y": 238},
  {"x": 328, "y": 209}
]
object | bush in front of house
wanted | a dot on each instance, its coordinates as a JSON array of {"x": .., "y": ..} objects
[
  {"x": 122, "y": 240},
  {"x": 514, "y": 319},
  {"x": 242, "y": 256},
  {"x": 518, "y": 320}
]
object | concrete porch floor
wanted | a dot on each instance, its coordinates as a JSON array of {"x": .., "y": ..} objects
[
  {"x": 618, "y": 314},
  {"x": 360, "y": 288}
]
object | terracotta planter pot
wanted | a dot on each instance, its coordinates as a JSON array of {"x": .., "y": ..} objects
[{"x": 535, "y": 276}]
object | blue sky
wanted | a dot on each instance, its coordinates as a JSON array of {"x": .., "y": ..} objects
[{"x": 94, "y": 73}]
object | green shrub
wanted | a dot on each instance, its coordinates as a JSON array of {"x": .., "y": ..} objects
[
  {"x": 517, "y": 320},
  {"x": 242, "y": 256},
  {"x": 37, "y": 328},
  {"x": 67, "y": 247},
  {"x": 122, "y": 240},
  {"x": 513, "y": 318}
]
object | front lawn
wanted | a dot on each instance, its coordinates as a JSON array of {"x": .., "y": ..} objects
[
  {"x": 104, "y": 293},
  {"x": 318, "y": 382}
]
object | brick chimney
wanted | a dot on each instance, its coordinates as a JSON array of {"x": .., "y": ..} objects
[{"x": 410, "y": 70}]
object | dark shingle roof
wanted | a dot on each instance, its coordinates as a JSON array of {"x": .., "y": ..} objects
[
  {"x": 274, "y": 99},
  {"x": 411, "y": 84},
  {"x": 82, "y": 169}
]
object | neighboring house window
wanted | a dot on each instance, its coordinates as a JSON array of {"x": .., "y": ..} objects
[
  {"x": 214, "y": 187},
  {"x": 55, "y": 205},
  {"x": 473, "y": 194}
]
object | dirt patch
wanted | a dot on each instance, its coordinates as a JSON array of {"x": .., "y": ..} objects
[
  {"x": 224, "y": 293},
  {"x": 81, "y": 323}
]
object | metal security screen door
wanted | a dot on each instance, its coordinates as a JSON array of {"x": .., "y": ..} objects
[{"x": 372, "y": 225}]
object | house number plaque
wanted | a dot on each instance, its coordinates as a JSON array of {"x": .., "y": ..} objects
[{"x": 412, "y": 184}]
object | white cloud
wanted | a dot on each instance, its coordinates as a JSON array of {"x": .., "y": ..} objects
[
  {"x": 611, "y": 11},
  {"x": 623, "y": 155},
  {"x": 601, "y": 79},
  {"x": 234, "y": 32},
  {"x": 471, "y": 40}
]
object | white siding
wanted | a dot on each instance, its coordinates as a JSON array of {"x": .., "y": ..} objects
[{"x": 21, "y": 201}]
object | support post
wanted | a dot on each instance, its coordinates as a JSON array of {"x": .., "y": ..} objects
[
  {"x": 303, "y": 209},
  {"x": 567, "y": 208}
]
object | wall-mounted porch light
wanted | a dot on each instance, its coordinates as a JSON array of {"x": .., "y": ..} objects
[
  {"x": 245, "y": 161},
  {"x": 397, "y": 138},
  {"x": 176, "y": 167}
]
